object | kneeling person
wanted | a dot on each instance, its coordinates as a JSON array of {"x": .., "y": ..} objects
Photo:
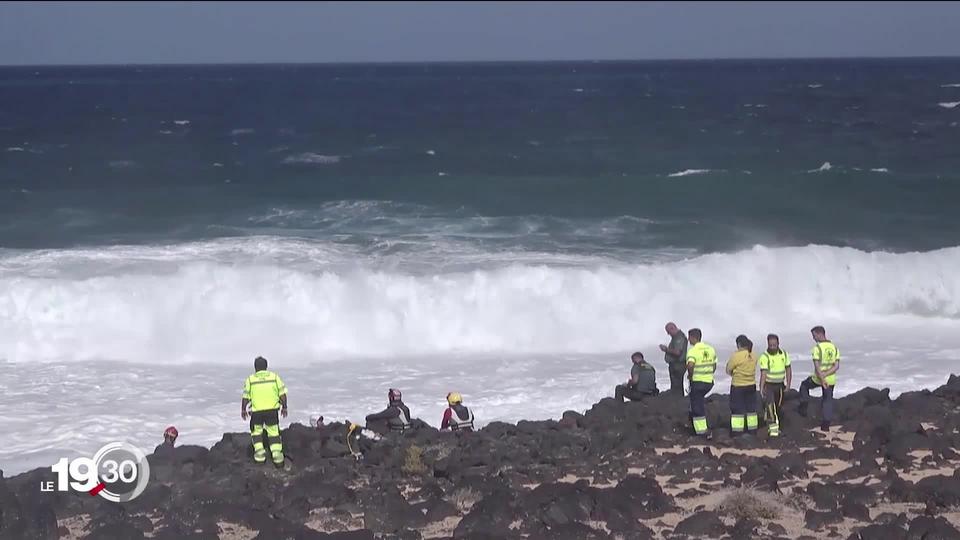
[
  {"x": 642, "y": 383},
  {"x": 456, "y": 417},
  {"x": 396, "y": 416}
]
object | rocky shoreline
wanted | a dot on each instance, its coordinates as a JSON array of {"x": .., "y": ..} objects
[{"x": 887, "y": 470}]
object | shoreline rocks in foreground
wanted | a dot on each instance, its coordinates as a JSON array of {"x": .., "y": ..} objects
[{"x": 887, "y": 470}]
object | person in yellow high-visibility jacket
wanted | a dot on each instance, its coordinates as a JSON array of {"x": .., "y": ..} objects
[
  {"x": 742, "y": 367},
  {"x": 701, "y": 365},
  {"x": 776, "y": 376},
  {"x": 264, "y": 396},
  {"x": 826, "y": 363}
]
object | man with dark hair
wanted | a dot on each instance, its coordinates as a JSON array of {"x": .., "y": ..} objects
[
  {"x": 701, "y": 365},
  {"x": 642, "y": 382},
  {"x": 776, "y": 375},
  {"x": 265, "y": 395},
  {"x": 675, "y": 355},
  {"x": 826, "y": 363}
]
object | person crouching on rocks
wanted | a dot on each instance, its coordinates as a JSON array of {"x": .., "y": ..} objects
[
  {"x": 642, "y": 382},
  {"x": 742, "y": 366},
  {"x": 395, "y": 418},
  {"x": 457, "y": 417}
]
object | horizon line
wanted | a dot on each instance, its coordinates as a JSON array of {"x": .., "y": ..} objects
[{"x": 462, "y": 62}]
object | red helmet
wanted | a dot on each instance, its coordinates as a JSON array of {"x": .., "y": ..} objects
[
  {"x": 171, "y": 431},
  {"x": 394, "y": 395}
]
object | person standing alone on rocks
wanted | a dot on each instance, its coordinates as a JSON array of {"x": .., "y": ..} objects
[
  {"x": 642, "y": 383},
  {"x": 742, "y": 366},
  {"x": 701, "y": 365},
  {"x": 266, "y": 396},
  {"x": 675, "y": 355},
  {"x": 776, "y": 375},
  {"x": 826, "y": 363}
]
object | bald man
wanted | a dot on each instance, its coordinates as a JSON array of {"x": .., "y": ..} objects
[{"x": 675, "y": 354}]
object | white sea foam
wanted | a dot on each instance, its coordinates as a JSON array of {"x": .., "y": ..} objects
[
  {"x": 816, "y": 85},
  {"x": 880, "y": 170},
  {"x": 823, "y": 168},
  {"x": 177, "y": 304},
  {"x": 181, "y": 122},
  {"x": 689, "y": 172},
  {"x": 537, "y": 330},
  {"x": 312, "y": 159},
  {"x": 431, "y": 153},
  {"x": 15, "y": 149},
  {"x": 165, "y": 132},
  {"x": 242, "y": 131},
  {"x": 949, "y": 104},
  {"x": 441, "y": 173},
  {"x": 218, "y": 164},
  {"x": 578, "y": 90},
  {"x": 953, "y": 85}
]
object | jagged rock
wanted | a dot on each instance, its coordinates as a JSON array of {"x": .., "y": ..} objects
[
  {"x": 855, "y": 511},
  {"x": 929, "y": 528},
  {"x": 776, "y": 528},
  {"x": 706, "y": 524},
  {"x": 391, "y": 513},
  {"x": 491, "y": 517},
  {"x": 815, "y": 521},
  {"x": 824, "y": 496}
]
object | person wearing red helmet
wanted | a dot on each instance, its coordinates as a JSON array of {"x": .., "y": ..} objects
[
  {"x": 396, "y": 417},
  {"x": 169, "y": 439}
]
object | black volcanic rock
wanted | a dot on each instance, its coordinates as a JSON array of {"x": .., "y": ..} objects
[
  {"x": 702, "y": 524},
  {"x": 577, "y": 478}
]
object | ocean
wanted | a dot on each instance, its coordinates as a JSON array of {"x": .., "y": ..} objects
[{"x": 508, "y": 231}]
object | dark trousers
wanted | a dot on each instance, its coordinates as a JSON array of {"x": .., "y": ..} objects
[
  {"x": 678, "y": 370},
  {"x": 743, "y": 408},
  {"x": 698, "y": 406},
  {"x": 631, "y": 393},
  {"x": 773, "y": 401},
  {"x": 826, "y": 399}
]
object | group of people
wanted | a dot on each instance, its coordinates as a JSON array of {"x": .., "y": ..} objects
[
  {"x": 264, "y": 399},
  {"x": 688, "y": 356}
]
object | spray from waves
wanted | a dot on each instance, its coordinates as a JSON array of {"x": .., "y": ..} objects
[
  {"x": 823, "y": 168},
  {"x": 310, "y": 158},
  {"x": 689, "y": 172},
  {"x": 219, "y": 312},
  {"x": 949, "y": 104}
]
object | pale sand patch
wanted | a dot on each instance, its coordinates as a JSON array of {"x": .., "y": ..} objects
[
  {"x": 920, "y": 454},
  {"x": 717, "y": 451},
  {"x": 324, "y": 520},
  {"x": 917, "y": 475},
  {"x": 75, "y": 525},
  {"x": 828, "y": 467},
  {"x": 598, "y": 526},
  {"x": 235, "y": 531},
  {"x": 573, "y": 479},
  {"x": 837, "y": 437},
  {"x": 441, "y": 529},
  {"x": 928, "y": 426}
]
